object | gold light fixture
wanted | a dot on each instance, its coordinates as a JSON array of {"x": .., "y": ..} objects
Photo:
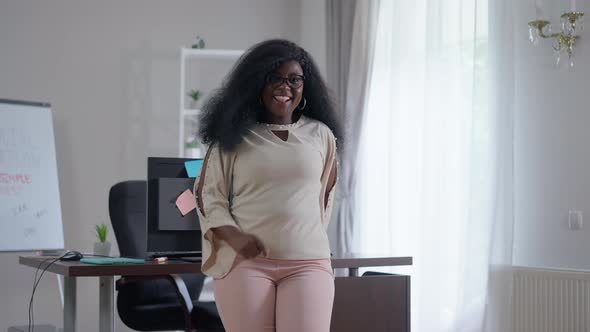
[{"x": 565, "y": 40}]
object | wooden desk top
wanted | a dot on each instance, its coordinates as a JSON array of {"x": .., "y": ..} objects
[
  {"x": 353, "y": 260},
  {"x": 77, "y": 269}
]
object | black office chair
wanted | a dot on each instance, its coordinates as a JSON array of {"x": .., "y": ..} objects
[{"x": 161, "y": 302}]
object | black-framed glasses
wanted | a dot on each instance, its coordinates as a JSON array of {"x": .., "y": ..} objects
[{"x": 294, "y": 81}]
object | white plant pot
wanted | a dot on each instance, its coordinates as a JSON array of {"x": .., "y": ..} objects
[
  {"x": 194, "y": 104},
  {"x": 194, "y": 153},
  {"x": 102, "y": 248}
]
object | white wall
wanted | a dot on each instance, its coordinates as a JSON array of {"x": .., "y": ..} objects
[
  {"x": 110, "y": 69},
  {"x": 313, "y": 31},
  {"x": 552, "y": 156}
]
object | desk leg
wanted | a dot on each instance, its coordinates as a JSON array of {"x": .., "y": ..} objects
[
  {"x": 353, "y": 271},
  {"x": 106, "y": 308},
  {"x": 69, "y": 304}
]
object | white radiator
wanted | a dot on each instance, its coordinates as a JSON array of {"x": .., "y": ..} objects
[{"x": 551, "y": 300}]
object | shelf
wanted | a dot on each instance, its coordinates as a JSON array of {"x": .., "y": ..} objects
[
  {"x": 190, "y": 112},
  {"x": 189, "y": 116},
  {"x": 208, "y": 54}
]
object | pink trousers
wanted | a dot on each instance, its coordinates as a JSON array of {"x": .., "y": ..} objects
[{"x": 261, "y": 295}]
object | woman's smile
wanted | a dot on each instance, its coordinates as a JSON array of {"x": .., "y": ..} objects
[{"x": 283, "y": 92}]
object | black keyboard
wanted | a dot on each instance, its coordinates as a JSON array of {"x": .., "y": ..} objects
[
  {"x": 191, "y": 259},
  {"x": 176, "y": 254}
]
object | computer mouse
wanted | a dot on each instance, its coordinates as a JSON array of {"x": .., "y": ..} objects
[{"x": 72, "y": 256}]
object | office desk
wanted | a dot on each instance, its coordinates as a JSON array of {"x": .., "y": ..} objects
[{"x": 363, "y": 292}]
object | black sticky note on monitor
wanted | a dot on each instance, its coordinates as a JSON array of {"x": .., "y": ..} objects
[{"x": 169, "y": 216}]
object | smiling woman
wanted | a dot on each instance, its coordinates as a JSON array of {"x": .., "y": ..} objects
[
  {"x": 238, "y": 104},
  {"x": 265, "y": 190}
]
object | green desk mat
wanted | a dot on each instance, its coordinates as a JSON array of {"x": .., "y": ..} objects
[{"x": 111, "y": 260}]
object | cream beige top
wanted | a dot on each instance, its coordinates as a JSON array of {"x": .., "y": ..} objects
[{"x": 271, "y": 188}]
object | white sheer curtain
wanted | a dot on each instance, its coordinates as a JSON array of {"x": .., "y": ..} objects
[{"x": 436, "y": 174}]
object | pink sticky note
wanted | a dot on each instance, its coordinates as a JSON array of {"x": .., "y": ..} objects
[{"x": 186, "y": 202}]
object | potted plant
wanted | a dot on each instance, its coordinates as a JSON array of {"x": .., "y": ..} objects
[
  {"x": 195, "y": 95},
  {"x": 199, "y": 42},
  {"x": 102, "y": 247}
]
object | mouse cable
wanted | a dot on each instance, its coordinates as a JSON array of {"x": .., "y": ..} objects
[
  {"x": 36, "y": 281},
  {"x": 35, "y": 284},
  {"x": 31, "y": 316}
]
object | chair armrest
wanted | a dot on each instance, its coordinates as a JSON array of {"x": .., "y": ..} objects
[{"x": 184, "y": 297}]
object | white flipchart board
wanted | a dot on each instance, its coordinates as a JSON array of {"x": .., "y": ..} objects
[{"x": 30, "y": 209}]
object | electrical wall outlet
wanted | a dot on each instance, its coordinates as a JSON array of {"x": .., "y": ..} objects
[{"x": 575, "y": 220}]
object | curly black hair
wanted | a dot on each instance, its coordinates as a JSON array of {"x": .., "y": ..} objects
[{"x": 235, "y": 107}]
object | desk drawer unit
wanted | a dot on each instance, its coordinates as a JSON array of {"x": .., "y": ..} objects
[{"x": 376, "y": 303}]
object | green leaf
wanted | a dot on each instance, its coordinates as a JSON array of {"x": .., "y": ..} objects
[
  {"x": 194, "y": 94},
  {"x": 101, "y": 232}
]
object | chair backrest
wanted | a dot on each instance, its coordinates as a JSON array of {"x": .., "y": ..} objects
[{"x": 127, "y": 209}]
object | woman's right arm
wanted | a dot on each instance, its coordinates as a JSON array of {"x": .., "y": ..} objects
[{"x": 212, "y": 191}]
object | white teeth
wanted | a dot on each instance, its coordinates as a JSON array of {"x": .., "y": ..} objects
[{"x": 282, "y": 99}]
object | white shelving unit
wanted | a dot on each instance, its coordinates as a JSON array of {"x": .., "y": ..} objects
[{"x": 190, "y": 114}]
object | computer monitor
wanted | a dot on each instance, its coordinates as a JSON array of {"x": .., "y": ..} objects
[{"x": 169, "y": 233}]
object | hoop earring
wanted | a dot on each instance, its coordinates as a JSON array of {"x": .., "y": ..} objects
[{"x": 304, "y": 104}]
